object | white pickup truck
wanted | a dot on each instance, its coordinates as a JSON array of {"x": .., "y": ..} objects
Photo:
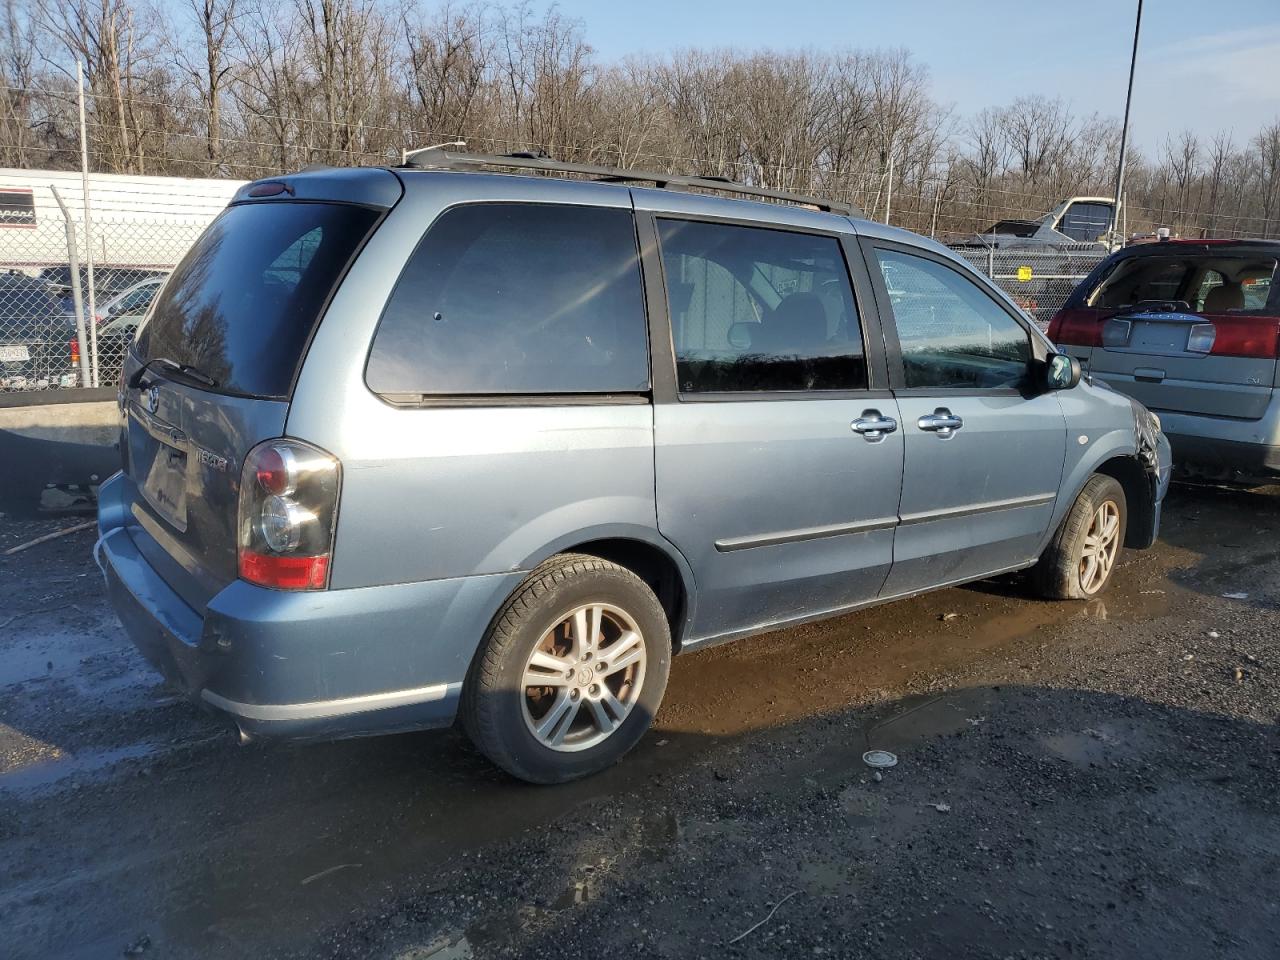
[{"x": 1088, "y": 220}]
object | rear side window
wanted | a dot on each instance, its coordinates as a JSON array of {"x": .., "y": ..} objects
[
  {"x": 241, "y": 305},
  {"x": 517, "y": 299},
  {"x": 759, "y": 310}
]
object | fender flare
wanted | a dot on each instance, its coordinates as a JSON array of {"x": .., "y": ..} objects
[
  {"x": 626, "y": 531},
  {"x": 1115, "y": 443}
]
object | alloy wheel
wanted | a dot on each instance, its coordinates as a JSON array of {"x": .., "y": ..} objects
[
  {"x": 1101, "y": 544},
  {"x": 583, "y": 677}
]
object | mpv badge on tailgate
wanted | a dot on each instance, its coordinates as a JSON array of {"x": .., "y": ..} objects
[{"x": 211, "y": 460}]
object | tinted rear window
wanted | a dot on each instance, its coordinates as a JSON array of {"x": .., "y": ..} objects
[
  {"x": 26, "y": 300},
  {"x": 241, "y": 305},
  {"x": 1196, "y": 282},
  {"x": 517, "y": 299}
]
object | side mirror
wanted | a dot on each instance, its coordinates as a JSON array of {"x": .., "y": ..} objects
[{"x": 1062, "y": 372}]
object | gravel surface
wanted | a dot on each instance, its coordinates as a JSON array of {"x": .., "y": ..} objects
[{"x": 1073, "y": 780}]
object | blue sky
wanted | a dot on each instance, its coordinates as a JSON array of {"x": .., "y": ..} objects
[{"x": 1202, "y": 65}]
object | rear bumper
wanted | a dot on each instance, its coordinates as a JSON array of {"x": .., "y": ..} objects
[
  {"x": 1242, "y": 457},
  {"x": 1224, "y": 446},
  {"x": 322, "y": 664}
]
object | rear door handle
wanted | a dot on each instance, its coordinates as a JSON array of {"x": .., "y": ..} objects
[
  {"x": 942, "y": 422},
  {"x": 873, "y": 425}
]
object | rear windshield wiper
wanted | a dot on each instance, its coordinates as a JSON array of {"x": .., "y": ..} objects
[{"x": 186, "y": 369}]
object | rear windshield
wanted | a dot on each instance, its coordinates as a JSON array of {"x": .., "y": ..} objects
[
  {"x": 1086, "y": 222},
  {"x": 1193, "y": 283},
  {"x": 241, "y": 305}
]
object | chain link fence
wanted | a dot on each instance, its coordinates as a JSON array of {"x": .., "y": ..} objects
[
  {"x": 1039, "y": 281},
  {"x": 70, "y": 301}
]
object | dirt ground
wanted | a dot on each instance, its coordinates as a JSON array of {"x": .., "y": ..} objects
[{"x": 1093, "y": 779}]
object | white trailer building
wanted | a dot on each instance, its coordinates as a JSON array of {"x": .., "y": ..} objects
[{"x": 145, "y": 222}]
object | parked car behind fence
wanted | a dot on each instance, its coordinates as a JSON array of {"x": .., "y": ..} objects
[{"x": 35, "y": 337}]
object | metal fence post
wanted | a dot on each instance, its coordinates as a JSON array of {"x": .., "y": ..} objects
[
  {"x": 88, "y": 230},
  {"x": 73, "y": 260}
]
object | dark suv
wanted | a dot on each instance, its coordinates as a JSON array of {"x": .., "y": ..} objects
[{"x": 34, "y": 336}]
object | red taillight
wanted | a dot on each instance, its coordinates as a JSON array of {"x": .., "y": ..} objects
[
  {"x": 288, "y": 508},
  {"x": 75, "y": 349},
  {"x": 1080, "y": 327},
  {"x": 277, "y": 471},
  {"x": 284, "y": 573},
  {"x": 1237, "y": 336}
]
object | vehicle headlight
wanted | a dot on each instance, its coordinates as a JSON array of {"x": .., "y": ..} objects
[{"x": 1155, "y": 419}]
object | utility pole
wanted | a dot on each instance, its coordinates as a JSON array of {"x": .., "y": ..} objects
[
  {"x": 92, "y": 318},
  {"x": 1124, "y": 129},
  {"x": 888, "y": 199},
  {"x": 73, "y": 263}
]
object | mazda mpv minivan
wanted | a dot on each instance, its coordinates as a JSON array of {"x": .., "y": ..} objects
[{"x": 404, "y": 447}]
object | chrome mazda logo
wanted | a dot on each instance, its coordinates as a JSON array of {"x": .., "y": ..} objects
[{"x": 153, "y": 398}]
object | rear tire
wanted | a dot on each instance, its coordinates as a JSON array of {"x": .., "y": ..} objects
[
  {"x": 1081, "y": 557},
  {"x": 570, "y": 674}
]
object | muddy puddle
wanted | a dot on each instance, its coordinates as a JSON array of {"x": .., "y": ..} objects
[{"x": 860, "y": 658}]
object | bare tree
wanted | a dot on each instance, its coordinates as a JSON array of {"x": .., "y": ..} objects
[
  {"x": 103, "y": 35},
  {"x": 247, "y": 87},
  {"x": 447, "y": 59},
  {"x": 1183, "y": 159},
  {"x": 209, "y": 66},
  {"x": 17, "y": 82}
]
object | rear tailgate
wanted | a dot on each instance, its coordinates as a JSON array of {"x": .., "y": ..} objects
[
  {"x": 184, "y": 462},
  {"x": 1146, "y": 355},
  {"x": 1187, "y": 327},
  {"x": 210, "y": 373}
]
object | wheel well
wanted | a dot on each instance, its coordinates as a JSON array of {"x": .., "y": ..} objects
[
  {"x": 1132, "y": 477},
  {"x": 655, "y": 568}
]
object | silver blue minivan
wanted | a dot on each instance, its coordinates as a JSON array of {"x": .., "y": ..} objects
[{"x": 434, "y": 444}]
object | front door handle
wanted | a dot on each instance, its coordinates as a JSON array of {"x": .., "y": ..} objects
[
  {"x": 873, "y": 425},
  {"x": 942, "y": 422}
]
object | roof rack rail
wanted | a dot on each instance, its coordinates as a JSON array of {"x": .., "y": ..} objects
[{"x": 433, "y": 159}]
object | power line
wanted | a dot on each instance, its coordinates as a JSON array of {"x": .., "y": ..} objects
[{"x": 967, "y": 193}]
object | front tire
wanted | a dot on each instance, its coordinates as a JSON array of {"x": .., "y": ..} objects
[
  {"x": 571, "y": 673},
  {"x": 1081, "y": 557}
]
